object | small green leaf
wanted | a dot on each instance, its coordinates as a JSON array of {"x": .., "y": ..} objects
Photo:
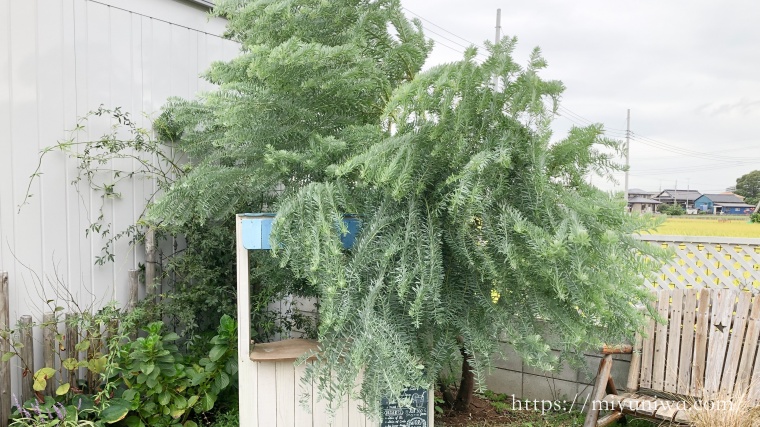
[
  {"x": 134, "y": 421},
  {"x": 114, "y": 413},
  {"x": 39, "y": 383},
  {"x": 62, "y": 389},
  {"x": 70, "y": 364},
  {"x": 8, "y": 356},
  {"x": 83, "y": 346},
  {"x": 216, "y": 353},
  {"x": 176, "y": 413},
  {"x": 192, "y": 401},
  {"x": 45, "y": 373}
]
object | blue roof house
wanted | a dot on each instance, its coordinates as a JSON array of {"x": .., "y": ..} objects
[{"x": 729, "y": 204}]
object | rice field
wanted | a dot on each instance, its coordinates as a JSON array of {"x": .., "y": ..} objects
[{"x": 725, "y": 226}]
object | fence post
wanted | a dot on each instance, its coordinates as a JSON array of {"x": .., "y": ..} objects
[
  {"x": 150, "y": 262},
  {"x": 49, "y": 331},
  {"x": 27, "y": 357},
  {"x": 5, "y": 367},
  {"x": 72, "y": 338},
  {"x": 134, "y": 283}
]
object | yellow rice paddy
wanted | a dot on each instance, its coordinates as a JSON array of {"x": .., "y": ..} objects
[{"x": 709, "y": 226}]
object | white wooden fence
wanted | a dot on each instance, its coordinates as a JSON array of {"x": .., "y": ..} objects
[{"x": 727, "y": 262}]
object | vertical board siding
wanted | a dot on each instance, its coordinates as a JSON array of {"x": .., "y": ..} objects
[{"x": 58, "y": 61}]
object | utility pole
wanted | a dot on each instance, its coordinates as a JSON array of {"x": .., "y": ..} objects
[
  {"x": 496, "y": 41},
  {"x": 627, "y": 153}
]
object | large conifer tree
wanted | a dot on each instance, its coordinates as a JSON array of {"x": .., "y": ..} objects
[{"x": 476, "y": 227}]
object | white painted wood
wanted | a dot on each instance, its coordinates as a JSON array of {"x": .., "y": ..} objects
[
  {"x": 320, "y": 415},
  {"x": 302, "y": 415},
  {"x": 248, "y": 370},
  {"x": 58, "y": 61},
  {"x": 710, "y": 261},
  {"x": 356, "y": 418},
  {"x": 286, "y": 393},
  {"x": 267, "y": 398}
]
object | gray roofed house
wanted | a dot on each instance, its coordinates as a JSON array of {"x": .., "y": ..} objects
[
  {"x": 684, "y": 198},
  {"x": 639, "y": 204}
]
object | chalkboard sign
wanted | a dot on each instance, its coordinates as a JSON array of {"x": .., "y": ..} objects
[{"x": 415, "y": 415}]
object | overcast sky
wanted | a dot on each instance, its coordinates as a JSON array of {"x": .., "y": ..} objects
[{"x": 688, "y": 70}]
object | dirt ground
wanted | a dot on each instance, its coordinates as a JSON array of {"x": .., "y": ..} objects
[{"x": 483, "y": 413}]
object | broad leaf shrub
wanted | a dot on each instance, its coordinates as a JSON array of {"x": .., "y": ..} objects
[{"x": 142, "y": 382}]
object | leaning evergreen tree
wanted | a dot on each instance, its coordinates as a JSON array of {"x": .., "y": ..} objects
[{"x": 477, "y": 226}]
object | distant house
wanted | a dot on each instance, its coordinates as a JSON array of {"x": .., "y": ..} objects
[
  {"x": 637, "y": 192},
  {"x": 641, "y": 200},
  {"x": 685, "y": 198},
  {"x": 642, "y": 205},
  {"x": 726, "y": 203}
]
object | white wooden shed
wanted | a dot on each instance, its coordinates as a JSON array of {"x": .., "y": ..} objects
[{"x": 270, "y": 384}]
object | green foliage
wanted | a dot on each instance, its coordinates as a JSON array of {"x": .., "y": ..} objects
[
  {"x": 748, "y": 186},
  {"x": 673, "y": 210},
  {"x": 49, "y": 412},
  {"x": 475, "y": 227},
  {"x": 755, "y": 217},
  {"x": 161, "y": 388},
  {"x": 230, "y": 418},
  {"x": 142, "y": 382}
]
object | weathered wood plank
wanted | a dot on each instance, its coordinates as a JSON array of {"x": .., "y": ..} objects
[
  {"x": 744, "y": 374},
  {"x": 286, "y": 393},
  {"x": 667, "y": 411},
  {"x": 5, "y": 346},
  {"x": 700, "y": 343},
  {"x": 647, "y": 353},
  {"x": 49, "y": 331},
  {"x": 151, "y": 263},
  {"x": 267, "y": 396},
  {"x": 634, "y": 372},
  {"x": 27, "y": 357},
  {"x": 674, "y": 341},
  {"x": 687, "y": 341},
  {"x": 648, "y": 408},
  {"x": 736, "y": 343},
  {"x": 642, "y": 404},
  {"x": 720, "y": 326},
  {"x": 616, "y": 349},
  {"x": 134, "y": 286},
  {"x": 661, "y": 342},
  {"x": 70, "y": 343},
  {"x": 598, "y": 392}
]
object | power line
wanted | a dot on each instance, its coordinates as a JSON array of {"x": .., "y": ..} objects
[
  {"x": 686, "y": 152},
  {"x": 444, "y": 29}
]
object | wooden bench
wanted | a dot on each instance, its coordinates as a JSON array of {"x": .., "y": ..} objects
[{"x": 705, "y": 352}]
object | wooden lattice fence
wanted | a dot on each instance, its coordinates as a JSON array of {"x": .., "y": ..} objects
[{"x": 714, "y": 262}]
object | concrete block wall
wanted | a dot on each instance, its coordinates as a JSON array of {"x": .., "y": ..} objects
[{"x": 512, "y": 377}]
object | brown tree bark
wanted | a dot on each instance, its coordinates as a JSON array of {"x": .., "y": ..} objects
[{"x": 466, "y": 385}]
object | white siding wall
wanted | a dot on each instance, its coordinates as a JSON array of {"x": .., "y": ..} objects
[{"x": 60, "y": 59}]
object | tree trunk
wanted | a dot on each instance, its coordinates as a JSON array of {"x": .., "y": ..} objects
[{"x": 466, "y": 386}]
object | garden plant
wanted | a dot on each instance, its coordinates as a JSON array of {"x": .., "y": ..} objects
[{"x": 478, "y": 224}]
